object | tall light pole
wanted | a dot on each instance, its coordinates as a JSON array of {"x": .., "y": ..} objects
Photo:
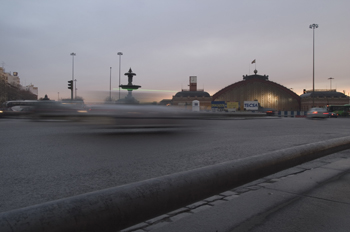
[
  {"x": 313, "y": 27},
  {"x": 330, "y": 80},
  {"x": 110, "y": 84},
  {"x": 120, "y": 60},
  {"x": 76, "y": 90},
  {"x": 72, "y": 54}
]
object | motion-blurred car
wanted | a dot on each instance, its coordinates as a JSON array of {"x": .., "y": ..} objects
[
  {"x": 317, "y": 113},
  {"x": 139, "y": 116},
  {"x": 332, "y": 115},
  {"x": 48, "y": 110}
]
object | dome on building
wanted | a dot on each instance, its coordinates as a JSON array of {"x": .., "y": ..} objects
[
  {"x": 257, "y": 87},
  {"x": 192, "y": 94}
]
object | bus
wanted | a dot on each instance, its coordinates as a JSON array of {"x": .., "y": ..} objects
[
  {"x": 18, "y": 104},
  {"x": 341, "y": 110}
]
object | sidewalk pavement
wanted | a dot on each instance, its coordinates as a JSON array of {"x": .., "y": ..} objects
[{"x": 314, "y": 196}]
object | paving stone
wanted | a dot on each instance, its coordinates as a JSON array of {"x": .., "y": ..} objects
[
  {"x": 229, "y": 198},
  {"x": 312, "y": 164},
  {"x": 213, "y": 198},
  {"x": 135, "y": 227},
  {"x": 140, "y": 230},
  {"x": 195, "y": 205},
  {"x": 218, "y": 202},
  {"x": 156, "y": 225},
  {"x": 227, "y": 193},
  {"x": 241, "y": 190},
  {"x": 178, "y": 211},
  {"x": 201, "y": 208},
  {"x": 179, "y": 216},
  {"x": 159, "y": 218},
  {"x": 254, "y": 187},
  {"x": 286, "y": 172},
  {"x": 265, "y": 184},
  {"x": 255, "y": 182}
]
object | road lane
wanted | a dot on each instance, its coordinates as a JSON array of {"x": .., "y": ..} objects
[{"x": 42, "y": 161}]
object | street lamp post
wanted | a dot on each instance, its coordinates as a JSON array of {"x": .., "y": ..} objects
[
  {"x": 313, "y": 26},
  {"x": 72, "y": 54},
  {"x": 110, "y": 84},
  {"x": 120, "y": 55},
  {"x": 76, "y": 90},
  {"x": 330, "y": 80}
]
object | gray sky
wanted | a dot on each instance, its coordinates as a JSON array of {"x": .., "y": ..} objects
[{"x": 165, "y": 42}]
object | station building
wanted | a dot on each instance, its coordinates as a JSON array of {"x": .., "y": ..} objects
[
  {"x": 185, "y": 98},
  {"x": 322, "y": 98},
  {"x": 258, "y": 88}
]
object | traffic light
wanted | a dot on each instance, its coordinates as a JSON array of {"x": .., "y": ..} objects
[
  {"x": 70, "y": 85},
  {"x": 304, "y": 91}
]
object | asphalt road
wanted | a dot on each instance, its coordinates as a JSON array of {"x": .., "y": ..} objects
[{"x": 43, "y": 161}]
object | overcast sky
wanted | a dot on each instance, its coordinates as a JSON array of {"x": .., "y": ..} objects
[{"x": 165, "y": 42}]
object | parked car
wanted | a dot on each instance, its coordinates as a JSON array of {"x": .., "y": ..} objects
[
  {"x": 267, "y": 111},
  {"x": 270, "y": 112},
  {"x": 317, "y": 113},
  {"x": 332, "y": 115}
]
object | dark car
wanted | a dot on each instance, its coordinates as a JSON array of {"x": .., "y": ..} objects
[
  {"x": 332, "y": 115},
  {"x": 267, "y": 111},
  {"x": 270, "y": 112}
]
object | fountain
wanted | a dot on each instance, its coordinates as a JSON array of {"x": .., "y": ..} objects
[{"x": 129, "y": 99}]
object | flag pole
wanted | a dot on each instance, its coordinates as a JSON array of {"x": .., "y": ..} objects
[
  {"x": 253, "y": 62},
  {"x": 255, "y": 65}
]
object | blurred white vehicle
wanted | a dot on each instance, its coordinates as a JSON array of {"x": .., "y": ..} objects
[
  {"x": 317, "y": 113},
  {"x": 138, "y": 116}
]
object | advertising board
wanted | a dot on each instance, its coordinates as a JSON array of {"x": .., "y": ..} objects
[
  {"x": 251, "y": 105},
  {"x": 218, "y": 105},
  {"x": 232, "y": 106}
]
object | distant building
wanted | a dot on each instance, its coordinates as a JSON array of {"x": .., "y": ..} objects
[
  {"x": 165, "y": 102},
  {"x": 257, "y": 87},
  {"x": 13, "y": 79},
  {"x": 11, "y": 89},
  {"x": 322, "y": 98},
  {"x": 8, "y": 78},
  {"x": 2, "y": 74},
  {"x": 3, "y": 83},
  {"x": 32, "y": 89},
  {"x": 186, "y": 96}
]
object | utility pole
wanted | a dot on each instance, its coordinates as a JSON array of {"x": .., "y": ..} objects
[
  {"x": 76, "y": 90},
  {"x": 110, "y": 84},
  {"x": 120, "y": 55},
  {"x": 72, "y": 90},
  {"x": 313, "y": 27},
  {"x": 330, "y": 79}
]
